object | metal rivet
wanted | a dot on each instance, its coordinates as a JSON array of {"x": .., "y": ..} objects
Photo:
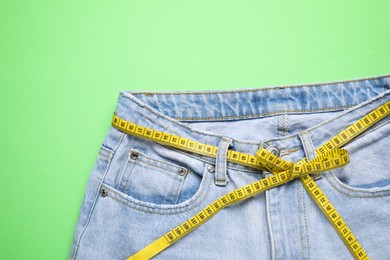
[
  {"x": 103, "y": 192},
  {"x": 182, "y": 171},
  {"x": 211, "y": 168},
  {"x": 134, "y": 155},
  {"x": 274, "y": 150}
]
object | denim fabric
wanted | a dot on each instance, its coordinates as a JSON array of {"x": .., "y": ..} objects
[{"x": 148, "y": 194}]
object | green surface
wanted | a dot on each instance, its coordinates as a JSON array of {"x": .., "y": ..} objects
[{"x": 63, "y": 63}]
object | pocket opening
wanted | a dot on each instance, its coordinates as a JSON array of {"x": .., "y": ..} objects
[
  {"x": 368, "y": 170},
  {"x": 185, "y": 204}
]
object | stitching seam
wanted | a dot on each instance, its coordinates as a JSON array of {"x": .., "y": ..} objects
[
  {"x": 339, "y": 189},
  {"x": 264, "y": 88},
  {"x": 273, "y": 247},
  {"x": 140, "y": 104},
  {"x": 108, "y": 163},
  {"x": 261, "y": 114},
  {"x": 308, "y": 151},
  {"x": 298, "y": 190},
  {"x": 346, "y": 112},
  {"x": 305, "y": 219}
]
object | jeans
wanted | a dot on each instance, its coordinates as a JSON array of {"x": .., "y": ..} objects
[{"x": 151, "y": 188}]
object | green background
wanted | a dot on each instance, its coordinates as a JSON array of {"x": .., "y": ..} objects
[{"x": 63, "y": 63}]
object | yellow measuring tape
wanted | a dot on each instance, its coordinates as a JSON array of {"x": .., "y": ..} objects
[{"x": 329, "y": 156}]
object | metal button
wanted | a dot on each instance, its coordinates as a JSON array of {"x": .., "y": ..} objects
[
  {"x": 134, "y": 155},
  {"x": 103, "y": 192},
  {"x": 182, "y": 171},
  {"x": 211, "y": 168},
  {"x": 274, "y": 150}
]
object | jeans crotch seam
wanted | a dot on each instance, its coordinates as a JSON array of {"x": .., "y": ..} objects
[
  {"x": 298, "y": 192},
  {"x": 310, "y": 154},
  {"x": 306, "y": 226},
  {"x": 270, "y": 229}
]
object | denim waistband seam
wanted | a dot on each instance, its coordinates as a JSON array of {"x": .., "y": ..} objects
[
  {"x": 170, "y": 119},
  {"x": 199, "y": 92},
  {"x": 181, "y": 124},
  {"x": 190, "y": 129},
  {"x": 248, "y": 142},
  {"x": 330, "y": 109}
]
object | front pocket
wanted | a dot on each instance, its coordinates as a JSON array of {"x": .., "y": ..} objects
[
  {"x": 367, "y": 173},
  {"x": 152, "y": 180}
]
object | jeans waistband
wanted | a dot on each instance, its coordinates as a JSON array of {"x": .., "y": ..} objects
[{"x": 168, "y": 111}]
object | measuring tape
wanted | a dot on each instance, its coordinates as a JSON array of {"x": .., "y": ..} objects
[
  {"x": 329, "y": 156},
  {"x": 184, "y": 143}
]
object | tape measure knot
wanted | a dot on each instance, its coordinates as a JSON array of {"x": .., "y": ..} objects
[{"x": 324, "y": 161}]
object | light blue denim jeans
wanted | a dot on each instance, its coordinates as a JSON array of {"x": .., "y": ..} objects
[{"x": 146, "y": 193}]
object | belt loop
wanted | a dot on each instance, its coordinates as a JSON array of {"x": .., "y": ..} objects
[
  {"x": 221, "y": 178},
  {"x": 309, "y": 150}
]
